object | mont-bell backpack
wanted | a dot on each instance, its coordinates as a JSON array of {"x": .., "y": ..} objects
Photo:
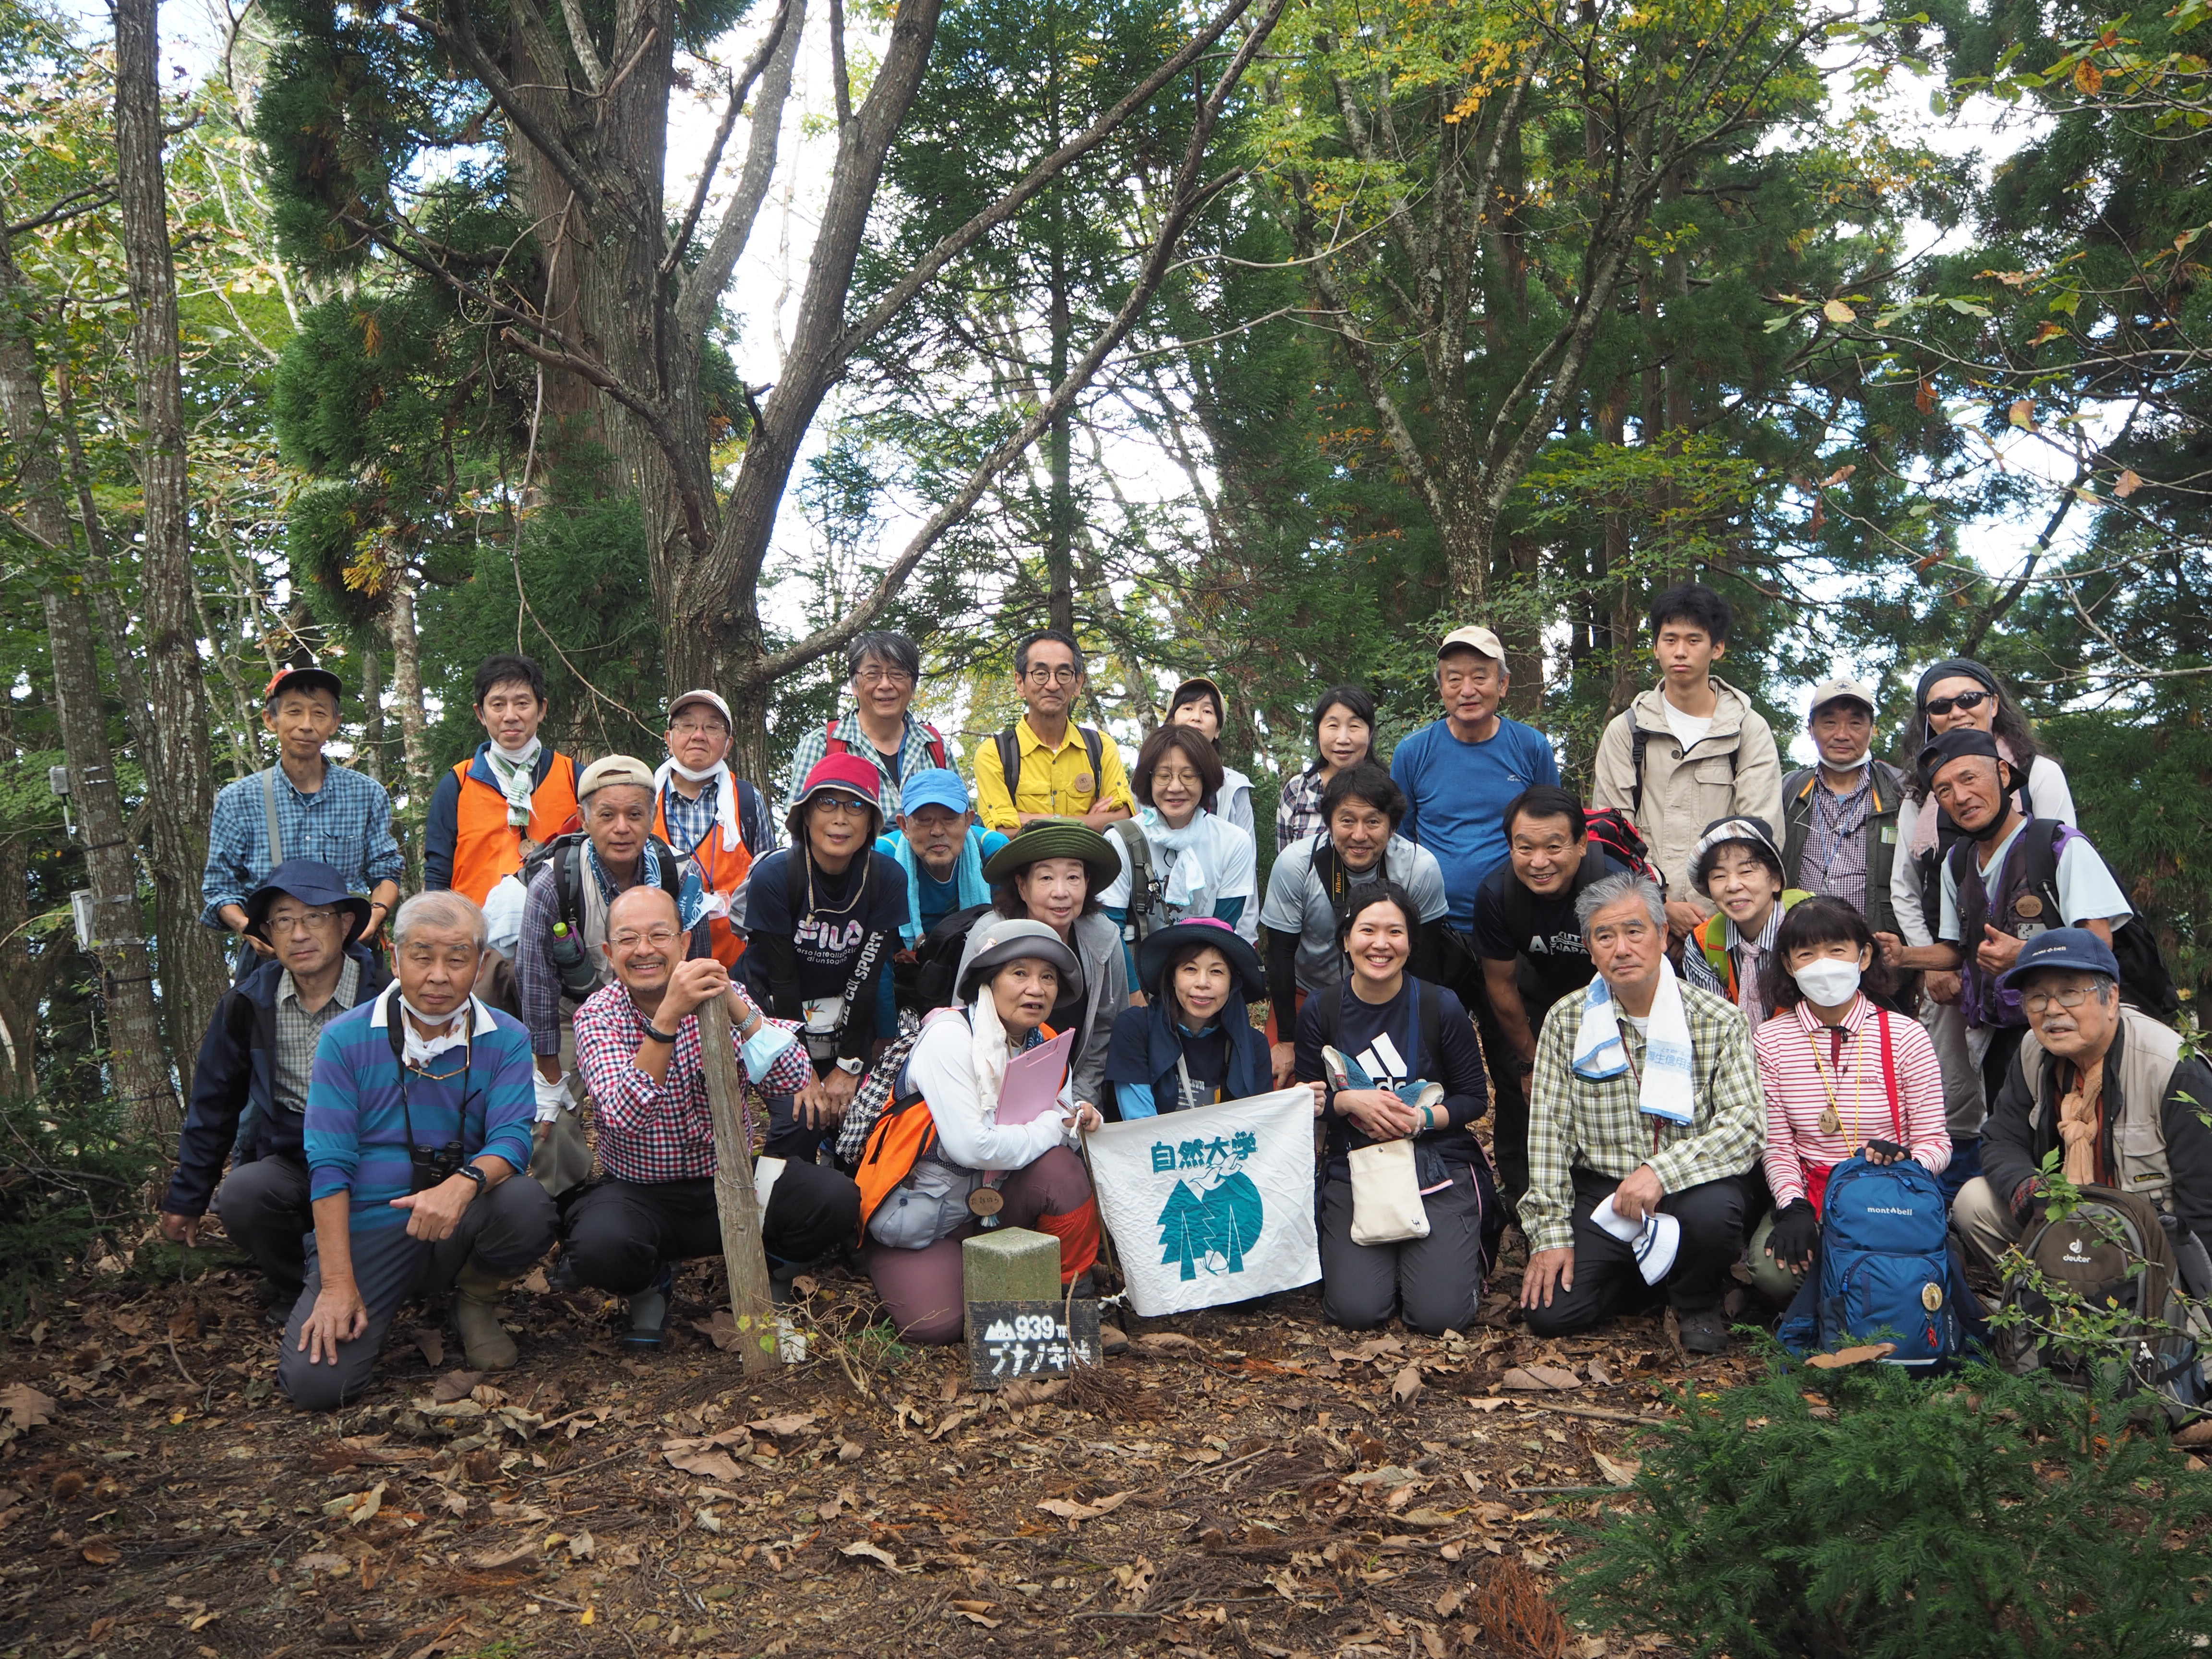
[
  {"x": 1884, "y": 1271},
  {"x": 2111, "y": 1252}
]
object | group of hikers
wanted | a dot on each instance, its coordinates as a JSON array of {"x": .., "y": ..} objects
[{"x": 1680, "y": 1005}]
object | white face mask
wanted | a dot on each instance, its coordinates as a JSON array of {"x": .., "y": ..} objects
[{"x": 1828, "y": 983}]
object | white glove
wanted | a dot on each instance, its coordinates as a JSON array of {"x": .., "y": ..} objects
[{"x": 553, "y": 1098}]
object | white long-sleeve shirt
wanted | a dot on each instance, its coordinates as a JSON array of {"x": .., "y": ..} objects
[{"x": 942, "y": 1068}]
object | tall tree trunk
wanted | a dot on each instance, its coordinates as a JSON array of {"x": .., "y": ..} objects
[
  {"x": 407, "y": 692},
  {"x": 180, "y": 792},
  {"x": 1060, "y": 521},
  {"x": 23, "y": 973},
  {"x": 140, "y": 1070},
  {"x": 372, "y": 702}
]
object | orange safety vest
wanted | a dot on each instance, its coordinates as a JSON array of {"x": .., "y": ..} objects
[
  {"x": 486, "y": 846},
  {"x": 723, "y": 872},
  {"x": 898, "y": 1139}
]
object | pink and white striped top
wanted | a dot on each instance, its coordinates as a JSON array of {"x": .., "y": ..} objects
[{"x": 1802, "y": 1062}]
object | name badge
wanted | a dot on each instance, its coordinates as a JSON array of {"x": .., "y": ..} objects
[{"x": 1085, "y": 783}]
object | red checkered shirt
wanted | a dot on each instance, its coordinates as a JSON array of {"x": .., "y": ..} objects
[{"x": 649, "y": 1131}]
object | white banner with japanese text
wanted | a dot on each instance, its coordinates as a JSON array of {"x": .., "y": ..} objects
[{"x": 1213, "y": 1205}]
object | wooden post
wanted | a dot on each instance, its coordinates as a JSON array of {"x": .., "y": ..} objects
[{"x": 743, "y": 1253}]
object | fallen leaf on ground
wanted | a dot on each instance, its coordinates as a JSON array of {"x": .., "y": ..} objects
[
  {"x": 1540, "y": 1379},
  {"x": 492, "y": 1560},
  {"x": 1620, "y": 1471},
  {"x": 1067, "y": 1509},
  {"x": 357, "y": 1507},
  {"x": 851, "y": 1451},
  {"x": 2197, "y": 1434},
  {"x": 1489, "y": 1405},
  {"x": 785, "y": 1426},
  {"x": 1032, "y": 1390},
  {"x": 519, "y": 1512},
  {"x": 432, "y": 1346},
  {"x": 1858, "y": 1356},
  {"x": 101, "y": 1554},
  {"x": 26, "y": 1406},
  {"x": 882, "y": 1557},
  {"x": 1425, "y": 1517},
  {"x": 721, "y": 1330},
  {"x": 1408, "y": 1384},
  {"x": 705, "y": 1461},
  {"x": 1164, "y": 1343},
  {"x": 582, "y": 1547}
]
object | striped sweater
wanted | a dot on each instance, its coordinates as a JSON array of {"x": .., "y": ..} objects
[
  {"x": 1791, "y": 1078},
  {"x": 356, "y": 1132}
]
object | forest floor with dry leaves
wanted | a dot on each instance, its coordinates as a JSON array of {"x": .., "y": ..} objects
[{"x": 1248, "y": 1480}]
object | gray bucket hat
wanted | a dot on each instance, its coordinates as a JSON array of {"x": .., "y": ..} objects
[{"x": 1009, "y": 941}]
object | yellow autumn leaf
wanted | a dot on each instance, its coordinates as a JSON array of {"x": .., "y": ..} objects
[
  {"x": 1837, "y": 311},
  {"x": 2022, "y": 413},
  {"x": 2127, "y": 484},
  {"x": 2089, "y": 79}
]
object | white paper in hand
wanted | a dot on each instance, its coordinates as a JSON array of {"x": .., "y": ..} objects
[{"x": 1033, "y": 1079}]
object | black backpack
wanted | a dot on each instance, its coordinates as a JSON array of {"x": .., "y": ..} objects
[
  {"x": 580, "y": 975},
  {"x": 2145, "y": 981},
  {"x": 926, "y": 976}
]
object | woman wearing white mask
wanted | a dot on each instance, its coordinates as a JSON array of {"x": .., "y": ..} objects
[{"x": 1843, "y": 1074}]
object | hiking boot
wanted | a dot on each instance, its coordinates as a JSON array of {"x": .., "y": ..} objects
[
  {"x": 1704, "y": 1331},
  {"x": 476, "y": 1294},
  {"x": 648, "y": 1312}
]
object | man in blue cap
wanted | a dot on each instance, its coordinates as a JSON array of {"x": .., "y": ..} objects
[
  {"x": 2101, "y": 1083},
  {"x": 942, "y": 849},
  {"x": 254, "y": 1065}
]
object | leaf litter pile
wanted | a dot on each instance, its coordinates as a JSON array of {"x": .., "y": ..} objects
[{"x": 1249, "y": 1480}]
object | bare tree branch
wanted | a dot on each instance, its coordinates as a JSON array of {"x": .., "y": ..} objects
[
  {"x": 580, "y": 37},
  {"x": 771, "y": 65}
]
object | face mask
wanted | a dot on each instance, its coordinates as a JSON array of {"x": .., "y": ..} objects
[{"x": 1827, "y": 983}]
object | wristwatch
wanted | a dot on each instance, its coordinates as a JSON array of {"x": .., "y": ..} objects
[
  {"x": 476, "y": 1175},
  {"x": 850, "y": 1067},
  {"x": 657, "y": 1035}
]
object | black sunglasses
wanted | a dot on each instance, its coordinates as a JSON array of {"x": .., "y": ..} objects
[{"x": 1967, "y": 700}]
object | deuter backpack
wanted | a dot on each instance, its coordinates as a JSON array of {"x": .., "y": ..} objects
[
  {"x": 1613, "y": 831},
  {"x": 2109, "y": 1256}
]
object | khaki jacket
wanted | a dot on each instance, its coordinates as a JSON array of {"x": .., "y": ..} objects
[{"x": 1734, "y": 770}]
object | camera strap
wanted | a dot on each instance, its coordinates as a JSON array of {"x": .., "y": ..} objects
[{"x": 394, "y": 1013}]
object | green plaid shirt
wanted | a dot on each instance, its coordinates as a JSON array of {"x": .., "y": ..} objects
[{"x": 1574, "y": 1123}]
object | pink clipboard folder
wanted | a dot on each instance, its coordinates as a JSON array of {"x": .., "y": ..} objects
[{"x": 1033, "y": 1080}]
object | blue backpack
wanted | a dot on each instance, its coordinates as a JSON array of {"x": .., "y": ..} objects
[{"x": 1884, "y": 1271}]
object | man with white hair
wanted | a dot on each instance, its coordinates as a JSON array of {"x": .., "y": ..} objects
[
  {"x": 417, "y": 1134},
  {"x": 1646, "y": 1121}
]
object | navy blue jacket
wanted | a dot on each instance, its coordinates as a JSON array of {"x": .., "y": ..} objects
[
  {"x": 237, "y": 1069},
  {"x": 1146, "y": 1044}
]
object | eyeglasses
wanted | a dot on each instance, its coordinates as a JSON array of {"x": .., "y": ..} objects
[
  {"x": 698, "y": 728},
  {"x": 1968, "y": 701},
  {"x": 2040, "y": 1002},
  {"x": 897, "y": 679},
  {"x": 658, "y": 938},
  {"x": 833, "y": 805},
  {"x": 285, "y": 921},
  {"x": 1048, "y": 674}
]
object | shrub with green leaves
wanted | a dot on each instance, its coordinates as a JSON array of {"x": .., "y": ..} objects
[
  {"x": 1868, "y": 1514},
  {"x": 70, "y": 1171}
]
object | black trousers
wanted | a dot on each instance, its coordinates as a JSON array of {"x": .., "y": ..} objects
[
  {"x": 618, "y": 1233},
  {"x": 1714, "y": 1217},
  {"x": 264, "y": 1209},
  {"x": 1460, "y": 967}
]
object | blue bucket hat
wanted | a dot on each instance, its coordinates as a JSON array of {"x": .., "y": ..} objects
[
  {"x": 2061, "y": 947},
  {"x": 934, "y": 786},
  {"x": 311, "y": 881}
]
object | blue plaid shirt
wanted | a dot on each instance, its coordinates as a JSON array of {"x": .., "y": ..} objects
[
  {"x": 914, "y": 756},
  {"x": 347, "y": 824}
]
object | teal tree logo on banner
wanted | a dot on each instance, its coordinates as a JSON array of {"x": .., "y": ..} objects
[{"x": 1214, "y": 1213}]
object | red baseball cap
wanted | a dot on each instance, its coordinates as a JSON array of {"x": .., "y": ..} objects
[
  {"x": 847, "y": 773},
  {"x": 310, "y": 678}
]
